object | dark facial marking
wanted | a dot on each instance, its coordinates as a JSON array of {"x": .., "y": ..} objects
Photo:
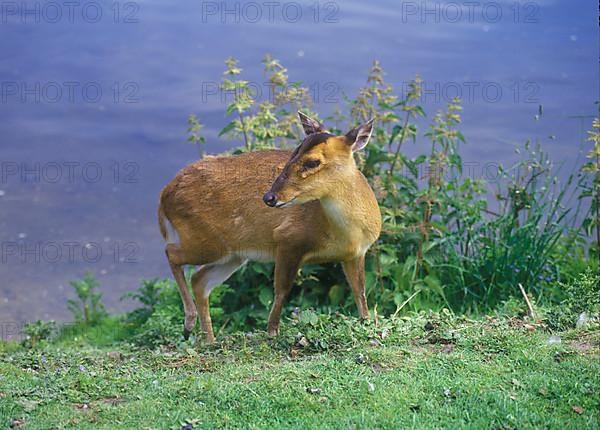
[
  {"x": 311, "y": 164},
  {"x": 308, "y": 143}
]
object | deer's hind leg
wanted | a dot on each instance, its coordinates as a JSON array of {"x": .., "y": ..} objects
[
  {"x": 176, "y": 262},
  {"x": 204, "y": 280}
]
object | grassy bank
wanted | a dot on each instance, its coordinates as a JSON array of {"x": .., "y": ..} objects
[{"x": 423, "y": 371}]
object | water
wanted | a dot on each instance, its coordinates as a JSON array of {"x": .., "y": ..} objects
[{"x": 86, "y": 167}]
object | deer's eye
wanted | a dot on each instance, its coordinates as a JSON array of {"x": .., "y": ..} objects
[{"x": 311, "y": 164}]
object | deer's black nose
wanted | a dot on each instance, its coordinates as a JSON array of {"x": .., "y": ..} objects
[{"x": 270, "y": 198}]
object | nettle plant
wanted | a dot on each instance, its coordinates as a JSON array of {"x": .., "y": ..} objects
[
  {"x": 442, "y": 245},
  {"x": 592, "y": 187},
  {"x": 87, "y": 307}
]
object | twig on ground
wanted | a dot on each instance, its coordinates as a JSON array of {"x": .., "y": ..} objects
[
  {"x": 531, "y": 311},
  {"x": 405, "y": 303}
]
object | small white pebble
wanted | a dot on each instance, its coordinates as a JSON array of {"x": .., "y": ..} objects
[
  {"x": 582, "y": 320},
  {"x": 553, "y": 340}
]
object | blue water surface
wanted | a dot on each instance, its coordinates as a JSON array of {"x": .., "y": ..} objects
[{"x": 94, "y": 102}]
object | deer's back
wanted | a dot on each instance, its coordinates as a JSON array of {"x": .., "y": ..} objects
[{"x": 215, "y": 206}]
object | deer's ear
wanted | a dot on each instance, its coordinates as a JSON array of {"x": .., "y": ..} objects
[
  {"x": 310, "y": 125},
  {"x": 359, "y": 137}
]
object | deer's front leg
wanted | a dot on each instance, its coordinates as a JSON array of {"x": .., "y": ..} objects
[
  {"x": 355, "y": 275},
  {"x": 286, "y": 268}
]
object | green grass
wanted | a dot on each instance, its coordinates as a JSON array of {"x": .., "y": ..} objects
[{"x": 426, "y": 371}]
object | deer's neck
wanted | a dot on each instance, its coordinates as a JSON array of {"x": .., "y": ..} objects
[{"x": 352, "y": 211}]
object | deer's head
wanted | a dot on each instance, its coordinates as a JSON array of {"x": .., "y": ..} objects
[{"x": 318, "y": 165}]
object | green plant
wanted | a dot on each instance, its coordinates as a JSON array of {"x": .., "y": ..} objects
[
  {"x": 157, "y": 322},
  {"x": 37, "y": 332},
  {"x": 583, "y": 295},
  {"x": 194, "y": 129},
  {"x": 149, "y": 296},
  {"x": 87, "y": 308},
  {"x": 582, "y": 300},
  {"x": 263, "y": 124},
  {"x": 592, "y": 190}
]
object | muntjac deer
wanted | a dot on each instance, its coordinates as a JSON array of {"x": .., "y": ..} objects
[{"x": 220, "y": 212}]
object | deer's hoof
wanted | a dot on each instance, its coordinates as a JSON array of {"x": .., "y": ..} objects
[{"x": 186, "y": 333}]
